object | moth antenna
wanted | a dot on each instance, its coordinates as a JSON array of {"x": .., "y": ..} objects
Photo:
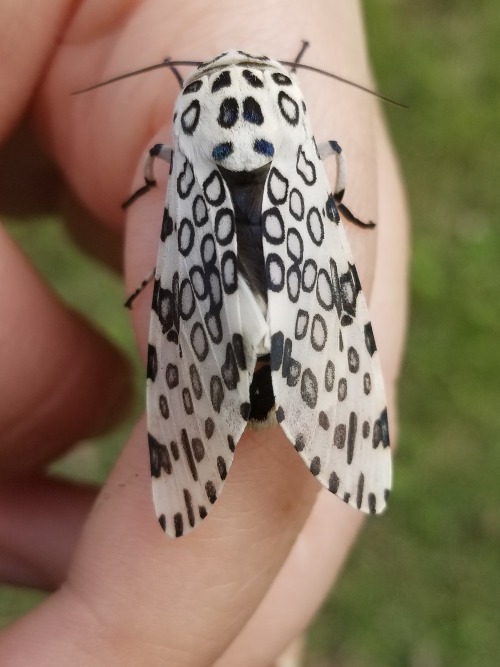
[
  {"x": 165, "y": 63},
  {"x": 330, "y": 75}
]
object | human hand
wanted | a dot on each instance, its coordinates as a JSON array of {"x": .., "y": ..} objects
[{"x": 239, "y": 588}]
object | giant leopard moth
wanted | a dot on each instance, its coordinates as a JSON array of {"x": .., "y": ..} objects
[{"x": 258, "y": 314}]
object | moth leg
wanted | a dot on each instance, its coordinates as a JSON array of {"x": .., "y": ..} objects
[
  {"x": 332, "y": 148},
  {"x": 128, "y": 303},
  {"x": 161, "y": 151},
  {"x": 175, "y": 72},
  {"x": 298, "y": 57}
]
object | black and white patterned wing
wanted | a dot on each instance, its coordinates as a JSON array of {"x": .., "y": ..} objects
[
  {"x": 201, "y": 348},
  {"x": 325, "y": 370}
]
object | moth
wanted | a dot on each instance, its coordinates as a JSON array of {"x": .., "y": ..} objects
[{"x": 258, "y": 315}]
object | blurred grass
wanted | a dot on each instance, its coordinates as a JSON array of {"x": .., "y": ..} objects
[{"x": 422, "y": 588}]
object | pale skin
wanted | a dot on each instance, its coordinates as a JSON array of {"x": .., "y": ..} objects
[{"x": 240, "y": 588}]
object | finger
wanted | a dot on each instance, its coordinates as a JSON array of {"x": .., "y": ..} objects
[
  {"x": 61, "y": 381},
  {"x": 40, "y": 523}
]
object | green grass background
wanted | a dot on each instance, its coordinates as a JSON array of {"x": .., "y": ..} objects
[{"x": 422, "y": 588}]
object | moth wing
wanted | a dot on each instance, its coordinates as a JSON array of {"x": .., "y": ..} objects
[
  {"x": 326, "y": 373},
  {"x": 201, "y": 350}
]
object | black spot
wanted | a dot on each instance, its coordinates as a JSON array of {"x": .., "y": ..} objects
[
  {"x": 273, "y": 227},
  {"x": 252, "y": 112},
  {"x": 222, "y": 151},
  {"x": 294, "y": 245},
  {"x": 211, "y": 492},
  {"x": 351, "y": 436},
  {"x": 323, "y": 420},
  {"x": 305, "y": 168},
  {"x": 281, "y": 79},
  {"x": 186, "y": 300},
  {"x": 188, "y": 501},
  {"x": 172, "y": 376},
  {"x": 280, "y": 414},
  {"x": 367, "y": 383},
  {"x": 185, "y": 180},
  {"x": 309, "y": 274},
  {"x": 252, "y": 79},
  {"x": 202, "y": 510},
  {"x": 309, "y": 388},
  {"x": 387, "y": 493},
  {"x": 329, "y": 375},
  {"x": 230, "y": 443},
  {"x": 315, "y": 226},
  {"x": 198, "y": 449},
  {"x": 359, "y": 495},
  {"x": 222, "y": 81},
  {"x": 277, "y": 187},
  {"x": 372, "y": 503},
  {"x": 381, "y": 430},
  {"x": 213, "y": 187},
  {"x": 315, "y": 466},
  {"x": 347, "y": 497},
  {"x": 300, "y": 442},
  {"x": 214, "y": 327},
  {"x": 341, "y": 342},
  {"x": 319, "y": 333},
  {"x": 370, "y": 339},
  {"x": 159, "y": 458},
  {"x": 301, "y": 324},
  {"x": 200, "y": 213},
  {"x": 221, "y": 467},
  {"x": 198, "y": 282},
  {"x": 239, "y": 351},
  {"x": 353, "y": 360},
  {"x": 195, "y": 382},
  {"x": 216, "y": 392},
  {"x": 333, "y": 482},
  {"x": 174, "y": 448},
  {"x": 186, "y": 237},
  {"x": 152, "y": 367},
  {"x": 224, "y": 226},
  {"x": 229, "y": 369},
  {"x": 188, "y": 401},
  {"x": 296, "y": 204},
  {"x": 350, "y": 287},
  {"x": 193, "y": 87},
  {"x": 263, "y": 147},
  {"x": 331, "y": 209},
  {"x": 228, "y": 113},
  {"x": 190, "y": 117},
  {"x": 163, "y": 405},
  {"x": 199, "y": 341},
  {"x": 207, "y": 248},
  {"x": 209, "y": 427},
  {"x": 167, "y": 225},
  {"x": 163, "y": 522},
  {"x": 275, "y": 272},
  {"x": 342, "y": 389},
  {"x": 293, "y": 283},
  {"x": 288, "y": 107},
  {"x": 189, "y": 454},
  {"x": 366, "y": 429},
  {"x": 229, "y": 272},
  {"x": 178, "y": 524},
  {"x": 324, "y": 290},
  {"x": 277, "y": 343},
  {"x": 339, "y": 436},
  {"x": 346, "y": 320}
]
